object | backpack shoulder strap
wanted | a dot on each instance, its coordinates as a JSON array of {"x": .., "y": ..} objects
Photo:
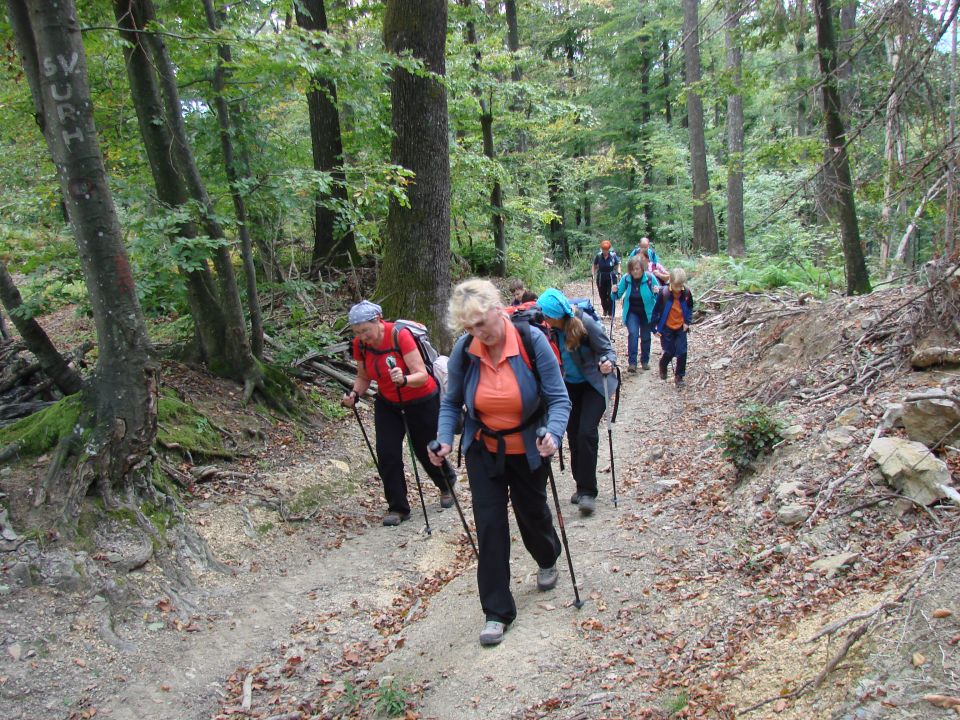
[{"x": 527, "y": 351}]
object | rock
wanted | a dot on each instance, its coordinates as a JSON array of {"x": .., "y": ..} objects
[
  {"x": 341, "y": 466},
  {"x": 721, "y": 364},
  {"x": 6, "y": 472},
  {"x": 24, "y": 574},
  {"x": 839, "y": 437},
  {"x": 792, "y": 514},
  {"x": 892, "y": 416},
  {"x": 786, "y": 491},
  {"x": 910, "y": 468},
  {"x": 5, "y": 590},
  {"x": 792, "y": 432},
  {"x": 850, "y": 416},
  {"x": 830, "y": 565},
  {"x": 656, "y": 452},
  {"x": 15, "y": 651},
  {"x": 664, "y": 486},
  {"x": 932, "y": 421},
  {"x": 63, "y": 575}
]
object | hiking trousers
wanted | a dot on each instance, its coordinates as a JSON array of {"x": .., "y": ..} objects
[
  {"x": 674, "y": 345},
  {"x": 526, "y": 490},
  {"x": 584, "y": 436},
  {"x": 605, "y": 287},
  {"x": 388, "y": 420},
  {"x": 638, "y": 329}
]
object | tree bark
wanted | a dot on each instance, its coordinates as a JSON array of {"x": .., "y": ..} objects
[
  {"x": 334, "y": 242},
  {"x": 415, "y": 275},
  {"x": 122, "y": 393},
  {"x": 646, "y": 161},
  {"x": 559, "y": 243},
  {"x": 704, "y": 222},
  {"x": 950, "y": 241},
  {"x": 858, "y": 281},
  {"x": 665, "y": 86},
  {"x": 894, "y": 155},
  {"x": 736, "y": 246},
  {"x": 227, "y": 130},
  {"x": 38, "y": 342}
]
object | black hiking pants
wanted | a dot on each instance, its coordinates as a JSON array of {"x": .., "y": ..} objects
[
  {"x": 605, "y": 287},
  {"x": 584, "y": 436},
  {"x": 526, "y": 490},
  {"x": 422, "y": 416}
]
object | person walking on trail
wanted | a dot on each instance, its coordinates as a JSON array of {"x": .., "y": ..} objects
[
  {"x": 508, "y": 378},
  {"x": 606, "y": 269},
  {"x": 672, "y": 316},
  {"x": 639, "y": 289},
  {"x": 646, "y": 248},
  {"x": 374, "y": 342},
  {"x": 582, "y": 344}
]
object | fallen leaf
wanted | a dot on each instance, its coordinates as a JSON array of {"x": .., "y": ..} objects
[
  {"x": 918, "y": 659},
  {"x": 942, "y": 613},
  {"x": 79, "y": 663},
  {"x": 165, "y": 688},
  {"x": 943, "y": 701}
]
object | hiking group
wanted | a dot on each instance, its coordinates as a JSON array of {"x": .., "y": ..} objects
[{"x": 520, "y": 377}]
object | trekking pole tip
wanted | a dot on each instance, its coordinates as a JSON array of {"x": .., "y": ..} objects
[{"x": 578, "y": 604}]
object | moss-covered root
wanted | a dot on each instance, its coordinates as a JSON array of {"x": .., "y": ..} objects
[
  {"x": 276, "y": 390},
  {"x": 34, "y": 435},
  {"x": 183, "y": 428}
]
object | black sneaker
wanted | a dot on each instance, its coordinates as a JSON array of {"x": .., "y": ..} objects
[
  {"x": 588, "y": 504},
  {"x": 575, "y": 498},
  {"x": 547, "y": 578},
  {"x": 645, "y": 366},
  {"x": 631, "y": 368},
  {"x": 392, "y": 519},
  {"x": 663, "y": 373},
  {"x": 680, "y": 383}
]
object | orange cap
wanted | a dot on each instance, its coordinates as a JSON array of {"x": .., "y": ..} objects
[{"x": 605, "y": 245}]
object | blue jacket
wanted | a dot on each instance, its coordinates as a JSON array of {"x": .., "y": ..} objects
[
  {"x": 587, "y": 356},
  {"x": 665, "y": 301},
  {"x": 649, "y": 286},
  {"x": 463, "y": 376}
]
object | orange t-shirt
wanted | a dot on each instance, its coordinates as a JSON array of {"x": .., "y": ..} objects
[
  {"x": 675, "y": 316},
  {"x": 497, "y": 401}
]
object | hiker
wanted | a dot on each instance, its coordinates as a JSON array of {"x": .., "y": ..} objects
[
  {"x": 639, "y": 289},
  {"x": 517, "y": 290},
  {"x": 647, "y": 248},
  {"x": 671, "y": 319},
  {"x": 375, "y": 341},
  {"x": 606, "y": 269},
  {"x": 582, "y": 343},
  {"x": 507, "y": 376}
]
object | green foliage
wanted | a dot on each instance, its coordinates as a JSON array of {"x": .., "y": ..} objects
[
  {"x": 677, "y": 703},
  {"x": 40, "y": 432},
  {"x": 184, "y": 427},
  {"x": 392, "y": 698},
  {"x": 748, "y": 435}
]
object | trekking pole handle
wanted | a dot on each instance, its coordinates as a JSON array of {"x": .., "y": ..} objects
[
  {"x": 433, "y": 446},
  {"x": 391, "y": 362}
]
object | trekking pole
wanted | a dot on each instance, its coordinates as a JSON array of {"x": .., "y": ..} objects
[
  {"x": 434, "y": 446},
  {"x": 611, "y": 421},
  {"x": 577, "y": 603},
  {"x": 391, "y": 363},
  {"x": 593, "y": 292},
  {"x": 365, "y": 437}
]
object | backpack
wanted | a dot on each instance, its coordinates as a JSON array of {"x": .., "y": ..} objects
[
  {"x": 421, "y": 338},
  {"x": 585, "y": 307},
  {"x": 528, "y": 316}
]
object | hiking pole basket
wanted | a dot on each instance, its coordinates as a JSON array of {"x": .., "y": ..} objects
[{"x": 577, "y": 602}]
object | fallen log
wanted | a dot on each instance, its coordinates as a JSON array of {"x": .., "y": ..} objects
[{"x": 928, "y": 357}]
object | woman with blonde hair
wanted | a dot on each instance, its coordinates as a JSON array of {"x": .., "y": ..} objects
[
  {"x": 587, "y": 357},
  {"x": 672, "y": 316},
  {"x": 508, "y": 378}
]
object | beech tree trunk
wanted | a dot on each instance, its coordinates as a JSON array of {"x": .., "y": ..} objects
[
  {"x": 667, "y": 107},
  {"x": 736, "y": 245},
  {"x": 858, "y": 281},
  {"x": 122, "y": 396},
  {"x": 951, "y": 243},
  {"x": 38, "y": 342},
  {"x": 649, "y": 229},
  {"x": 227, "y": 130},
  {"x": 415, "y": 275},
  {"x": 704, "y": 222},
  {"x": 894, "y": 156},
  {"x": 333, "y": 243}
]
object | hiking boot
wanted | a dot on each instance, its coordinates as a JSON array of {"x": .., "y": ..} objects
[
  {"x": 575, "y": 498},
  {"x": 492, "y": 632},
  {"x": 547, "y": 578},
  {"x": 392, "y": 518},
  {"x": 680, "y": 383},
  {"x": 446, "y": 496},
  {"x": 588, "y": 504},
  {"x": 645, "y": 366},
  {"x": 663, "y": 373},
  {"x": 631, "y": 368}
]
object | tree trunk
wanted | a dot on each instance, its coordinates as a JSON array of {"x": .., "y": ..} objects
[
  {"x": 667, "y": 109},
  {"x": 513, "y": 36},
  {"x": 645, "y": 154},
  {"x": 38, "y": 342},
  {"x": 122, "y": 395},
  {"x": 415, "y": 275},
  {"x": 858, "y": 281},
  {"x": 800, "y": 45},
  {"x": 558, "y": 236},
  {"x": 334, "y": 242},
  {"x": 704, "y": 223},
  {"x": 894, "y": 155},
  {"x": 236, "y": 360},
  {"x": 736, "y": 246},
  {"x": 227, "y": 130},
  {"x": 486, "y": 130},
  {"x": 845, "y": 47},
  {"x": 950, "y": 241}
]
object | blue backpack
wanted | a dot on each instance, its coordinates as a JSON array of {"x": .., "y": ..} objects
[{"x": 585, "y": 306}]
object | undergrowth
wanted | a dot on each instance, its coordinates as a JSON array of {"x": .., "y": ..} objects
[{"x": 748, "y": 435}]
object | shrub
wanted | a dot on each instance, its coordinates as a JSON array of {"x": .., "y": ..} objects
[{"x": 749, "y": 435}]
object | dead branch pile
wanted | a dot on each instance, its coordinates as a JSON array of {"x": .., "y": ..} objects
[
  {"x": 24, "y": 387},
  {"x": 842, "y": 345}
]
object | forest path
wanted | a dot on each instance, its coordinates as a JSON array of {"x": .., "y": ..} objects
[{"x": 397, "y": 604}]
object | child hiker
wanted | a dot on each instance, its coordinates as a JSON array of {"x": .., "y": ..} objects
[{"x": 671, "y": 320}]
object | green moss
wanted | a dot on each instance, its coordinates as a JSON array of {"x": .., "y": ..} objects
[
  {"x": 181, "y": 425},
  {"x": 41, "y": 431}
]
